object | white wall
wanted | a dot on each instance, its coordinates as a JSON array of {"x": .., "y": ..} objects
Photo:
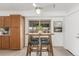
[
  {"x": 58, "y": 36},
  {"x": 52, "y": 15},
  {"x": 71, "y": 41}
]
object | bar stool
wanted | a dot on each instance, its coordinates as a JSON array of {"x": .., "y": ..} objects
[
  {"x": 33, "y": 46},
  {"x": 45, "y": 45}
]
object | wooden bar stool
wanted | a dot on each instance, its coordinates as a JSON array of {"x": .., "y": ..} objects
[
  {"x": 33, "y": 46},
  {"x": 45, "y": 45}
]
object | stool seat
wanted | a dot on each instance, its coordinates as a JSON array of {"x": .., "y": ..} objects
[
  {"x": 44, "y": 41},
  {"x": 34, "y": 41}
]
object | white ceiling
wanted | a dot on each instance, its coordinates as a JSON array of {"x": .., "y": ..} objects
[{"x": 45, "y": 6}]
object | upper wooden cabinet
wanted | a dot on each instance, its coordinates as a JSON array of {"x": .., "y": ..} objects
[
  {"x": 15, "y": 20},
  {"x": 1, "y": 21},
  {"x": 7, "y": 21}
]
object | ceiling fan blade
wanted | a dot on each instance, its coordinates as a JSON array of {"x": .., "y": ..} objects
[
  {"x": 49, "y": 6},
  {"x": 34, "y": 5}
]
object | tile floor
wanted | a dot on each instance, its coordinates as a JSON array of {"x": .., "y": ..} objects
[{"x": 58, "y": 51}]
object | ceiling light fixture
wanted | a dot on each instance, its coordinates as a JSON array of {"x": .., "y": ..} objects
[{"x": 38, "y": 10}]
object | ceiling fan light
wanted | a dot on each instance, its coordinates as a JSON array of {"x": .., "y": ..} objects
[{"x": 38, "y": 11}]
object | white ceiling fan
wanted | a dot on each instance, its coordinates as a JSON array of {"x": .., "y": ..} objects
[{"x": 38, "y": 9}]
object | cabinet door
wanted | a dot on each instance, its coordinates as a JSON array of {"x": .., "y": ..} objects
[
  {"x": 5, "y": 42},
  {"x": 0, "y": 42},
  {"x": 15, "y": 38},
  {"x": 15, "y": 21},
  {"x": 1, "y": 21},
  {"x": 7, "y": 21}
]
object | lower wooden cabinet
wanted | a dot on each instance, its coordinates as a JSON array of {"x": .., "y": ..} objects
[
  {"x": 5, "y": 42},
  {"x": 11, "y": 42},
  {"x": 15, "y": 38},
  {"x": 0, "y": 42}
]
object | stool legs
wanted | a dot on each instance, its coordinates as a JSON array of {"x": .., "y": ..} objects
[
  {"x": 37, "y": 50},
  {"x": 27, "y": 51}
]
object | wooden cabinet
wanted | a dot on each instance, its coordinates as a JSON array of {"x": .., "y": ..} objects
[
  {"x": 0, "y": 42},
  {"x": 1, "y": 21},
  {"x": 15, "y": 20},
  {"x": 15, "y": 38},
  {"x": 17, "y": 32},
  {"x": 5, "y": 42},
  {"x": 7, "y": 21}
]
